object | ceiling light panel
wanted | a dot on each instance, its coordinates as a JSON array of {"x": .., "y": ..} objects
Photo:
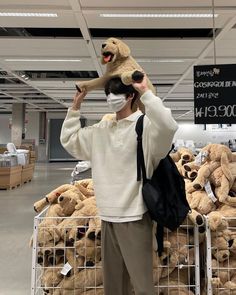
[
  {"x": 160, "y": 60},
  {"x": 28, "y": 14},
  {"x": 158, "y": 15},
  {"x": 41, "y": 60}
]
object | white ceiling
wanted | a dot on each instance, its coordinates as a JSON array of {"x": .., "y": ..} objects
[{"x": 167, "y": 61}]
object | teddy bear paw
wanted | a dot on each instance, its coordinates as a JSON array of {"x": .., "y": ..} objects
[
  {"x": 197, "y": 186},
  {"x": 215, "y": 282},
  {"x": 200, "y": 220},
  {"x": 137, "y": 76}
]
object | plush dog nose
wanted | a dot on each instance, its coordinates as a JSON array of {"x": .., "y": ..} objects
[{"x": 103, "y": 45}]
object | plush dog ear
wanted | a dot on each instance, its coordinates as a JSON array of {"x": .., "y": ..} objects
[{"x": 123, "y": 49}]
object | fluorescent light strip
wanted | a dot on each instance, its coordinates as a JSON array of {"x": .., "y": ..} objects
[
  {"x": 160, "y": 15},
  {"x": 28, "y": 14},
  {"x": 156, "y": 60},
  {"x": 42, "y": 60}
]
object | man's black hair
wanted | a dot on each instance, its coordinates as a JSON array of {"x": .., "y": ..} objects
[{"x": 115, "y": 86}]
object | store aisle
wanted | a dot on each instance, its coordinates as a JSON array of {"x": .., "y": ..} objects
[{"x": 16, "y": 224}]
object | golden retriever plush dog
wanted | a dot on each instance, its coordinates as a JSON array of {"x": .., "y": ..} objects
[{"x": 119, "y": 63}]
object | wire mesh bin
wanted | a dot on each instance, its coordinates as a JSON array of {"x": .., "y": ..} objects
[
  {"x": 221, "y": 258},
  {"x": 66, "y": 256},
  {"x": 176, "y": 272}
]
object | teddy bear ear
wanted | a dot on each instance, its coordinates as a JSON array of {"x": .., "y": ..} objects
[{"x": 123, "y": 49}]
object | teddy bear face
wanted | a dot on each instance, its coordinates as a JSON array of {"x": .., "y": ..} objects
[
  {"x": 112, "y": 49},
  {"x": 53, "y": 195},
  {"x": 67, "y": 203},
  {"x": 51, "y": 254},
  {"x": 220, "y": 249},
  {"x": 90, "y": 250},
  {"x": 88, "y": 208},
  {"x": 68, "y": 228},
  {"x": 47, "y": 235},
  {"x": 51, "y": 277}
]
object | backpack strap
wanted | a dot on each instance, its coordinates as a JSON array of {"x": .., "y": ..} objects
[
  {"x": 172, "y": 147},
  {"x": 140, "y": 156},
  {"x": 160, "y": 239},
  {"x": 141, "y": 168}
]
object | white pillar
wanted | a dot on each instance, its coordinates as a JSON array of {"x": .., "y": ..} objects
[{"x": 18, "y": 123}]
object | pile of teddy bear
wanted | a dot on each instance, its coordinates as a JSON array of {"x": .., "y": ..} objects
[
  {"x": 210, "y": 179},
  {"x": 68, "y": 246},
  {"x": 69, "y": 236},
  {"x": 68, "y": 241}
]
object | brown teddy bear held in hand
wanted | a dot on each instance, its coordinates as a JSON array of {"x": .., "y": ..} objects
[{"x": 119, "y": 63}]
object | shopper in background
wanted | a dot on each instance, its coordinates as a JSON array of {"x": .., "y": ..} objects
[{"x": 111, "y": 147}]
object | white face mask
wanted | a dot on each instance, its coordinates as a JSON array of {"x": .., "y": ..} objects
[{"x": 116, "y": 102}]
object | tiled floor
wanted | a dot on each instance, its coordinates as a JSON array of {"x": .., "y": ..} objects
[{"x": 16, "y": 224}]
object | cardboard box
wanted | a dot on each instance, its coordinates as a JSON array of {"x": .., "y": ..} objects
[
  {"x": 27, "y": 173},
  {"x": 2, "y": 150},
  {"x": 26, "y": 146},
  {"x": 32, "y": 154},
  {"x": 10, "y": 176},
  {"x": 32, "y": 161}
]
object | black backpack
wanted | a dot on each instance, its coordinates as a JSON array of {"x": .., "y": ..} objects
[{"x": 163, "y": 194}]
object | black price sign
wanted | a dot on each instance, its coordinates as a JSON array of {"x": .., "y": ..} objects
[{"x": 215, "y": 94}]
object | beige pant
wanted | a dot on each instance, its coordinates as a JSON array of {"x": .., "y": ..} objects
[{"x": 127, "y": 257}]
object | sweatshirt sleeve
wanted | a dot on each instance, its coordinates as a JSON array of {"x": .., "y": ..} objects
[
  {"x": 75, "y": 139},
  {"x": 160, "y": 126}
]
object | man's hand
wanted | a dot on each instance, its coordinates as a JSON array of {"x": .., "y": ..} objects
[
  {"x": 141, "y": 86},
  {"x": 78, "y": 98}
]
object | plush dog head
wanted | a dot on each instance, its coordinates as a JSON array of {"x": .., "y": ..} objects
[
  {"x": 114, "y": 49},
  {"x": 47, "y": 235},
  {"x": 90, "y": 250},
  {"x": 51, "y": 277}
]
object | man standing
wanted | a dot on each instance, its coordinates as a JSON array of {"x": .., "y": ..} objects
[{"x": 111, "y": 146}]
